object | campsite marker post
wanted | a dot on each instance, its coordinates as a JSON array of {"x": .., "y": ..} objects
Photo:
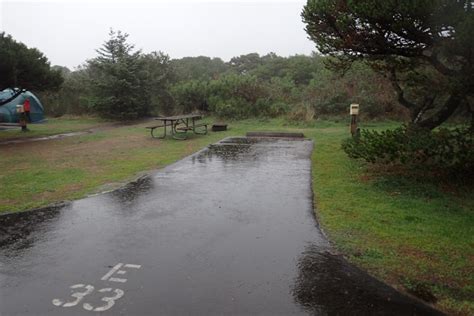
[
  {"x": 21, "y": 111},
  {"x": 354, "y": 112}
]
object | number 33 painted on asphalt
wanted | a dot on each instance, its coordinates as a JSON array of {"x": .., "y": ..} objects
[{"x": 79, "y": 296}]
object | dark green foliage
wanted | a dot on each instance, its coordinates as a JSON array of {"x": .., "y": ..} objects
[
  {"x": 120, "y": 80},
  {"x": 271, "y": 90},
  {"x": 424, "y": 47},
  {"x": 122, "y": 84},
  {"x": 243, "y": 64},
  {"x": 198, "y": 68},
  {"x": 331, "y": 93},
  {"x": 160, "y": 75},
  {"x": 190, "y": 96},
  {"x": 74, "y": 97},
  {"x": 268, "y": 67},
  {"x": 235, "y": 96},
  {"x": 282, "y": 93},
  {"x": 299, "y": 68},
  {"x": 443, "y": 150},
  {"x": 25, "y": 68}
]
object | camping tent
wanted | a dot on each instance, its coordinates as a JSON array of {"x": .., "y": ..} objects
[{"x": 10, "y": 98}]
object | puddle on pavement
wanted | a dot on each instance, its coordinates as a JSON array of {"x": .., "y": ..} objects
[
  {"x": 19, "y": 231},
  {"x": 229, "y": 230}
]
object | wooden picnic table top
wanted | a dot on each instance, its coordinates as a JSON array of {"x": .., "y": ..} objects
[{"x": 179, "y": 117}]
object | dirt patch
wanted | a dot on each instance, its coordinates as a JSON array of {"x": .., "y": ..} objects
[
  {"x": 422, "y": 291},
  {"x": 62, "y": 130},
  {"x": 428, "y": 272},
  {"x": 67, "y": 152},
  {"x": 59, "y": 193},
  {"x": 366, "y": 178},
  {"x": 106, "y": 145}
]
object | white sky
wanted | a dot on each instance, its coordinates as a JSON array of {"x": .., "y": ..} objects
[{"x": 68, "y": 32}]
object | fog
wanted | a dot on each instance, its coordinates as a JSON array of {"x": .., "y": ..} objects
[{"x": 68, "y": 32}]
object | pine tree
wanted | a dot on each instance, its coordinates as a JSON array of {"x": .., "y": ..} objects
[
  {"x": 120, "y": 79},
  {"x": 425, "y": 48}
]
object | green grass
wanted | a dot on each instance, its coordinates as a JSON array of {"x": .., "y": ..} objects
[
  {"x": 410, "y": 234},
  {"x": 406, "y": 232}
]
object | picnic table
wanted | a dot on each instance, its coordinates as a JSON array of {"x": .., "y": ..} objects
[{"x": 180, "y": 125}]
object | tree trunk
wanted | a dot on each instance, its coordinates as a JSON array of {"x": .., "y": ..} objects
[{"x": 443, "y": 114}]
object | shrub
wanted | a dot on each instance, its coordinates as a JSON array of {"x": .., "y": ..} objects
[
  {"x": 302, "y": 112},
  {"x": 227, "y": 109},
  {"x": 234, "y": 96},
  {"x": 331, "y": 93},
  {"x": 190, "y": 95},
  {"x": 444, "y": 150},
  {"x": 278, "y": 109},
  {"x": 74, "y": 97}
]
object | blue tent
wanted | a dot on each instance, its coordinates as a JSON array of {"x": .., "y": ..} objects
[{"x": 10, "y": 98}]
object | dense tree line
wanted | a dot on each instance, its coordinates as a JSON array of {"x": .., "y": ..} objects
[
  {"x": 121, "y": 83},
  {"x": 415, "y": 63}
]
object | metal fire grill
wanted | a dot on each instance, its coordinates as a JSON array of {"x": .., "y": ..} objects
[{"x": 219, "y": 127}]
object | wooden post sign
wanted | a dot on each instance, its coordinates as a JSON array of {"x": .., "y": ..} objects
[
  {"x": 354, "y": 111},
  {"x": 22, "y": 120}
]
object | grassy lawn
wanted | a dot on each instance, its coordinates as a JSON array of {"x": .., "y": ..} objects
[
  {"x": 53, "y": 126},
  {"x": 417, "y": 237}
]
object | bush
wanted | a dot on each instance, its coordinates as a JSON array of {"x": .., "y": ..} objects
[
  {"x": 237, "y": 97},
  {"x": 443, "y": 150},
  {"x": 190, "y": 95},
  {"x": 227, "y": 109},
  {"x": 74, "y": 97},
  {"x": 278, "y": 109},
  {"x": 331, "y": 93},
  {"x": 302, "y": 112}
]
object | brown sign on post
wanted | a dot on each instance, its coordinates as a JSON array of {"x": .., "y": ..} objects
[{"x": 354, "y": 111}]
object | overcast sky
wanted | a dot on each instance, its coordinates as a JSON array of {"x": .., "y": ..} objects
[{"x": 68, "y": 32}]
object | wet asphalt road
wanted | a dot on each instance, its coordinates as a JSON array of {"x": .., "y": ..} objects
[{"x": 227, "y": 231}]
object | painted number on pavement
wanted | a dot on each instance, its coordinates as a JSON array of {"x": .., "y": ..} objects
[{"x": 109, "y": 295}]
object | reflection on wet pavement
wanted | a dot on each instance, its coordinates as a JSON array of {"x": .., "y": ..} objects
[
  {"x": 130, "y": 193},
  {"x": 17, "y": 232},
  {"x": 229, "y": 230},
  {"x": 324, "y": 277}
]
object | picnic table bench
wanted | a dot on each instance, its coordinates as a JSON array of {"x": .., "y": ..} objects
[{"x": 179, "y": 125}]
